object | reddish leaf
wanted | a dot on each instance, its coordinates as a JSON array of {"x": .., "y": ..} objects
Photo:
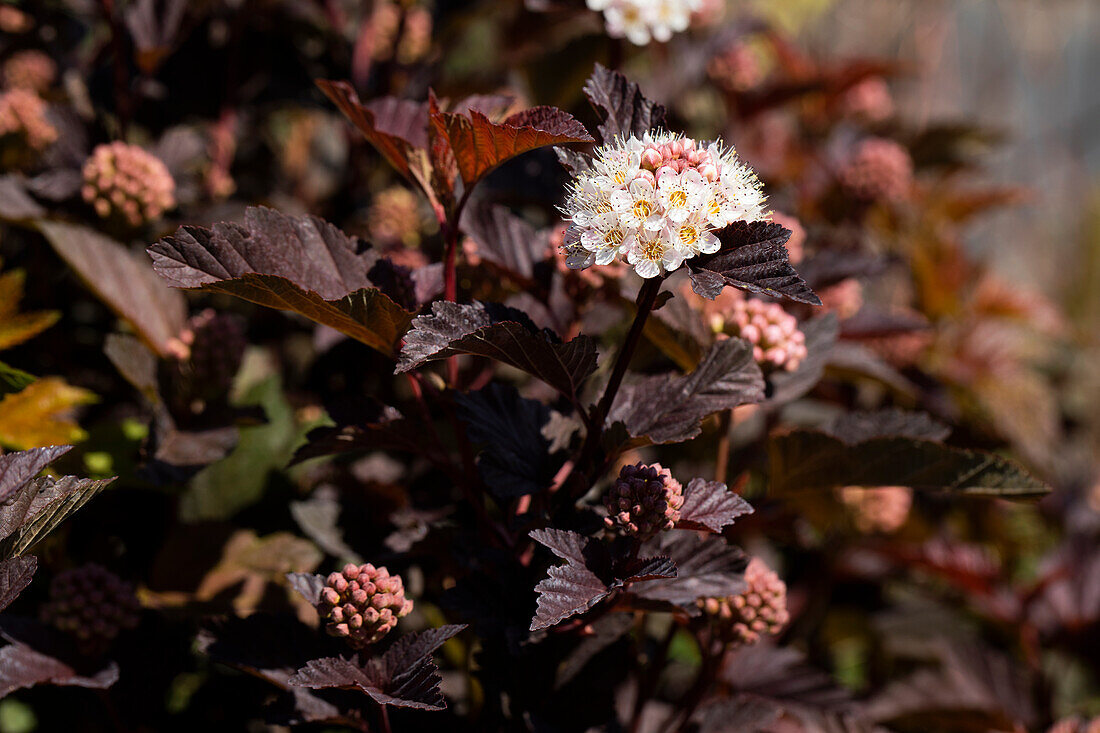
[
  {"x": 710, "y": 506},
  {"x": 856, "y": 427},
  {"x": 397, "y": 128},
  {"x": 753, "y": 257},
  {"x": 15, "y": 575},
  {"x": 16, "y": 469},
  {"x": 123, "y": 280},
  {"x": 501, "y": 333},
  {"x": 570, "y": 589},
  {"x": 506, "y": 240},
  {"x": 480, "y": 145},
  {"x": 622, "y": 107},
  {"x": 706, "y": 567},
  {"x": 669, "y": 408},
  {"x": 15, "y": 203}
]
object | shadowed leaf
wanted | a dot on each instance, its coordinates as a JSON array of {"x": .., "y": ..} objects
[
  {"x": 710, "y": 506},
  {"x": 754, "y": 258},
  {"x": 516, "y": 457},
  {"x": 405, "y": 676},
  {"x": 123, "y": 280},
  {"x": 15, "y": 575},
  {"x": 808, "y": 460},
  {"x": 318, "y": 516},
  {"x": 820, "y": 335},
  {"x": 856, "y": 427},
  {"x": 669, "y": 408},
  {"x": 706, "y": 567},
  {"x": 22, "y": 666},
  {"x": 622, "y": 108},
  {"x": 501, "y": 333},
  {"x": 505, "y": 239},
  {"x": 16, "y": 327},
  {"x": 15, "y": 203},
  {"x": 13, "y": 380}
]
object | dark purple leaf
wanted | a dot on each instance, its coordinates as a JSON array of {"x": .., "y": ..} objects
[
  {"x": 506, "y": 240},
  {"x": 857, "y": 360},
  {"x": 605, "y": 632},
  {"x": 405, "y": 676},
  {"x": 830, "y": 266},
  {"x": 33, "y": 511},
  {"x": 17, "y": 469},
  {"x": 710, "y": 506},
  {"x": 22, "y": 667},
  {"x": 753, "y": 257},
  {"x": 57, "y": 184},
  {"x": 622, "y": 107},
  {"x": 871, "y": 322},
  {"x": 738, "y": 714},
  {"x": 516, "y": 457},
  {"x": 806, "y": 460},
  {"x": 669, "y": 408},
  {"x": 647, "y": 568},
  {"x": 396, "y": 434},
  {"x": 856, "y": 427},
  {"x": 135, "y": 362},
  {"x": 782, "y": 674},
  {"x": 296, "y": 263},
  {"x": 123, "y": 280},
  {"x": 569, "y": 589},
  {"x": 706, "y": 567},
  {"x": 15, "y": 575},
  {"x": 501, "y": 333}
]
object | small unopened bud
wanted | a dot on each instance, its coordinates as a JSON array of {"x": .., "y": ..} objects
[{"x": 354, "y": 605}]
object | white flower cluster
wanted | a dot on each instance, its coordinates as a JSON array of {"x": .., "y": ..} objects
[
  {"x": 643, "y": 20},
  {"x": 656, "y": 201}
]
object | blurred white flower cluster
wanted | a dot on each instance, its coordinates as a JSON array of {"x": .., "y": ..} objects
[
  {"x": 643, "y": 20},
  {"x": 656, "y": 201}
]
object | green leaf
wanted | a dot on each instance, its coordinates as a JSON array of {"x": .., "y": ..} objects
[
  {"x": 806, "y": 460},
  {"x": 12, "y": 379}
]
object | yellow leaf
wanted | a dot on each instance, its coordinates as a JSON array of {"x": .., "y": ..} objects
[
  {"x": 15, "y": 328},
  {"x": 41, "y": 414}
]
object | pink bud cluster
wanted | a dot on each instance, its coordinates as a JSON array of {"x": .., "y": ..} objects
[
  {"x": 23, "y": 114},
  {"x": 1076, "y": 725},
  {"x": 676, "y": 156},
  {"x": 92, "y": 604},
  {"x": 879, "y": 170},
  {"x": 125, "y": 181},
  {"x": 878, "y": 509},
  {"x": 760, "y": 610},
  {"x": 643, "y": 501},
  {"x": 362, "y": 603},
  {"x": 31, "y": 70},
  {"x": 14, "y": 20},
  {"x": 777, "y": 342}
]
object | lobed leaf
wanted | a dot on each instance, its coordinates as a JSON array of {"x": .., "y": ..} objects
[
  {"x": 622, "y": 107},
  {"x": 505, "y": 240},
  {"x": 710, "y": 506},
  {"x": 569, "y": 589},
  {"x": 669, "y": 408},
  {"x": 754, "y": 258},
  {"x": 498, "y": 332},
  {"x": 809, "y": 460},
  {"x": 706, "y": 567},
  {"x": 41, "y": 414}
]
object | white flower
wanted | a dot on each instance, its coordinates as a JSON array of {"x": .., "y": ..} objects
[
  {"x": 643, "y": 20},
  {"x": 656, "y": 201}
]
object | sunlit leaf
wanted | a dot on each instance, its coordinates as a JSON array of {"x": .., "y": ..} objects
[{"x": 40, "y": 414}]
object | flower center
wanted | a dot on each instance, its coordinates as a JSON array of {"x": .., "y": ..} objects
[
  {"x": 613, "y": 238},
  {"x": 678, "y": 199},
  {"x": 653, "y": 250},
  {"x": 689, "y": 235},
  {"x": 642, "y": 208},
  {"x": 603, "y": 207},
  {"x": 620, "y": 177}
]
